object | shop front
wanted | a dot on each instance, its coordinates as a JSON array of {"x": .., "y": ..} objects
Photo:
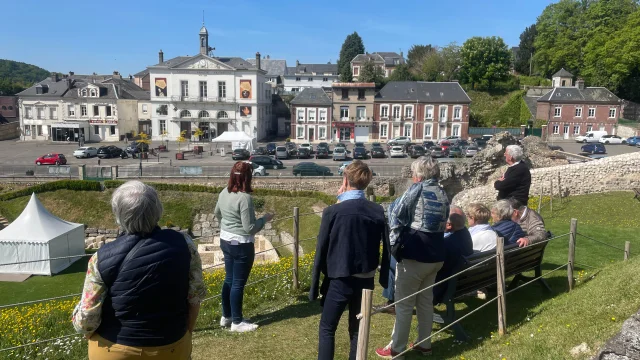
[
  {"x": 67, "y": 132},
  {"x": 103, "y": 130},
  {"x": 344, "y": 131}
]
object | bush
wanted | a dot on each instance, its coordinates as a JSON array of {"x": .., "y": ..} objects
[{"x": 79, "y": 185}]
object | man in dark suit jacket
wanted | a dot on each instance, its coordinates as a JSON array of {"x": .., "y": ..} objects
[
  {"x": 516, "y": 181},
  {"x": 347, "y": 254}
]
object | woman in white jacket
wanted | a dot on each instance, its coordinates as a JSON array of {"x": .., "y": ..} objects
[{"x": 483, "y": 236}]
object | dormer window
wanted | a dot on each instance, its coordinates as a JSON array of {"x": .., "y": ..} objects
[
  {"x": 93, "y": 93},
  {"x": 83, "y": 93}
]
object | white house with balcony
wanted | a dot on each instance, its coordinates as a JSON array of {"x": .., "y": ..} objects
[
  {"x": 311, "y": 116},
  {"x": 210, "y": 93},
  {"x": 315, "y": 76}
]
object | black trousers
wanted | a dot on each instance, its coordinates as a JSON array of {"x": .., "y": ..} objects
[{"x": 342, "y": 292}]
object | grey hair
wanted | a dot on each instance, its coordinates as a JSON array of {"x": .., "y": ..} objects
[
  {"x": 454, "y": 209},
  {"x": 503, "y": 209},
  {"x": 136, "y": 207},
  {"x": 515, "y": 152},
  {"x": 425, "y": 168}
]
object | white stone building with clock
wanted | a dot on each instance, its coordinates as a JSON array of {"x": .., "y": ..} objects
[{"x": 210, "y": 93}]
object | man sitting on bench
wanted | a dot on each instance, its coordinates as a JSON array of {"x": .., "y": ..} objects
[{"x": 531, "y": 223}]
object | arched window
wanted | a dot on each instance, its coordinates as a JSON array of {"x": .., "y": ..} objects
[
  {"x": 222, "y": 115},
  {"x": 4, "y": 107},
  {"x": 185, "y": 114},
  {"x": 84, "y": 92},
  {"x": 203, "y": 114},
  {"x": 93, "y": 92}
]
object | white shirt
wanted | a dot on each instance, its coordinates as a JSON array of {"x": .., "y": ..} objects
[
  {"x": 235, "y": 239},
  {"x": 515, "y": 163},
  {"x": 483, "y": 237}
]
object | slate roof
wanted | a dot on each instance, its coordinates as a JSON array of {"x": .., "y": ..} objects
[
  {"x": 563, "y": 73},
  {"x": 108, "y": 88},
  {"x": 142, "y": 73},
  {"x": 367, "y": 57},
  {"x": 308, "y": 69},
  {"x": 272, "y": 67},
  {"x": 576, "y": 95},
  {"x": 234, "y": 62},
  {"x": 312, "y": 96},
  {"x": 421, "y": 91},
  {"x": 387, "y": 57}
]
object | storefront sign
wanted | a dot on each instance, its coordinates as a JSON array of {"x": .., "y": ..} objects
[
  {"x": 103, "y": 122},
  {"x": 66, "y": 125},
  {"x": 345, "y": 125}
]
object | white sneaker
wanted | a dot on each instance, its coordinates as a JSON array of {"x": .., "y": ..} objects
[
  {"x": 244, "y": 326},
  {"x": 225, "y": 322}
]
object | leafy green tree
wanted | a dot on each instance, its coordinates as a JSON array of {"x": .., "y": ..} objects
[
  {"x": 432, "y": 66},
  {"x": 370, "y": 72},
  {"x": 351, "y": 47},
  {"x": 16, "y": 76},
  {"x": 401, "y": 73},
  {"x": 485, "y": 60},
  {"x": 416, "y": 56},
  {"x": 526, "y": 49},
  {"x": 451, "y": 61}
]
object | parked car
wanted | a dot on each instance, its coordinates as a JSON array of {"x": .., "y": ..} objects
[
  {"x": 375, "y": 144},
  {"x": 359, "y": 153},
  {"x": 322, "y": 152},
  {"x": 452, "y": 139},
  {"x": 260, "y": 151},
  {"x": 266, "y": 161},
  {"x": 480, "y": 143},
  {"x": 470, "y": 150},
  {"x": 358, "y": 144},
  {"x": 378, "y": 152},
  {"x": 310, "y": 169},
  {"x": 437, "y": 152},
  {"x": 462, "y": 143},
  {"x": 339, "y": 153},
  {"x": 51, "y": 159},
  {"x": 240, "y": 154},
  {"x": 109, "y": 151},
  {"x": 258, "y": 170},
  {"x": 400, "y": 140},
  {"x": 323, "y": 145},
  {"x": 612, "y": 139},
  {"x": 292, "y": 149},
  {"x": 282, "y": 152},
  {"x": 595, "y": 148},
  {"x": 408, "y": 146},
  {"x": 343, "y": 166},
  {"x": 416, "y": 151},
  {"x": 85, "y": 152},
  {"x": 427, "y": 145},
  {"x": 308, "y": 146},
  {"x": 454, "y": 152},
  {"x": 445, "y": 144},
  {"x": 633, "y": 141},
  {"x": 342, "y": 145},
  {"x": 271, "y": 149},
  {"x": 303, "y": 153},
  {"x": 396, "y": 151},
  {"x": 591, "y": 136},
  {"x": 134, "y": 147}
]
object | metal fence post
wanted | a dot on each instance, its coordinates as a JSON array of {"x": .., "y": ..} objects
[
  {"x": 502, "y": 303},
  {"x": 296, "y": 244},
  {"x": 365, "y": 324},
  {"x": 572, "y": 252},
  {"x": 627, "y": 250}
]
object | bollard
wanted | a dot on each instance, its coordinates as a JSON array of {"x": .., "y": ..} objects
[
  {"x": 502, "y": 301},
  {"x": 572, "y": 252},
  {"x": 296, "y": 244}
]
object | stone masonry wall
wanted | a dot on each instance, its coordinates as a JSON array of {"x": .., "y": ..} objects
[
  {"x": 626, "y": 131},
  {"x": 207, "y": 229}
]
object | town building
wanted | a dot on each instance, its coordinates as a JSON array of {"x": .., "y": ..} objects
[
  {"x": 142, "y": 78},
  {"x": 387, "y": 61},
  {"x": 97, "y": 107},
  {"x": 210, "y": 93},
  {"x": 311, "y": 111},
  {"x": 352, "y": 118},
  {"x": 304, "y": 76},
  {"x": 571, "y": 110},
  {"x": 275, "y": 72},
  {"x": 421, "y": 111}
]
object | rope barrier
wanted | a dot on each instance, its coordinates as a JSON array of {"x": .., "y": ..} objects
[
  {"x": 537, "y": 278},
  {"x": 538, "y": 243},
  {"x": 40, "y": 260},
  {"x": 37, "y": 301},
  {"x": 38, "y": 342},
  {"x": 601, "y": 242}
]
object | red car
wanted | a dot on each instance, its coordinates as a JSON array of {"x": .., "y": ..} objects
[
  {"x": 445, "y": 145},
  {"x": 51, "y": 159}
]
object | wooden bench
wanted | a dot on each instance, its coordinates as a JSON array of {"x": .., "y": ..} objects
[
  {"x": 637, "y": 192},
  {"x": 516, "y": 262}
]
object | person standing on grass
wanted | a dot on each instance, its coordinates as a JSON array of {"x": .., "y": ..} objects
[
  {"x": 516, "y": 181},
  {"x": 238, "y": 226},
  {"x": 417, "y": 221},
  {"x": 347, "y": 254}
]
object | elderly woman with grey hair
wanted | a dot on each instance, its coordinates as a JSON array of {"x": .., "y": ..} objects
[
  {"x": 142, "y": 292},
  {"x": 506, "y": 228},
  {"x": 417, "y": 221},
  {"x": 516, "y": 181}
]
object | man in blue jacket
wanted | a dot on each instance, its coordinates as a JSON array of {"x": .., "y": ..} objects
[{"x": 347, "y": 254}]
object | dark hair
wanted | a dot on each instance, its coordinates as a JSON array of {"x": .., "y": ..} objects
[{"x": 240, "y": 178}]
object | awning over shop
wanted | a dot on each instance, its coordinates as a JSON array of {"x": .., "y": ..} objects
[{"x": 66, "y": 125}]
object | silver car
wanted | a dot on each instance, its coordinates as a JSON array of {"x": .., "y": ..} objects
[
  {"x": 437, "y": 152},
  {"x": 281, "y": 152},
  {"x": 339, "y": 153},
  {"x": 258, "y": 170},
  {"x": 470, "y": 151},
  {"x": 85, "y": 152},
  {"x": 396, "y": 151}
]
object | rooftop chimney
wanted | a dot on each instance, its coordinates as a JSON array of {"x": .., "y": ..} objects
[
  {"x": 55, "y": 77},
  {"x": 297, "y": 63},
  {"x": 258, "y": 60},
  {"x": 268, "y": 57},
  {"x": 71, "y": 73},
  {"x": 116, "y": 75},
  {"x": 580, "y": 84},
  {"x": 160, "y": 57}
]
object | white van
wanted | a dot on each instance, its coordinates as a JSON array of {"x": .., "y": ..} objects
[{"x": 590, "y": 136}]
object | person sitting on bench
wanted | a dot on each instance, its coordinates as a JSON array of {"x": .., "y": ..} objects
[
  {"x": 506, "y": 228},
  {"x": 531, "y": 223},
  {"x": 482, "y": 234}
]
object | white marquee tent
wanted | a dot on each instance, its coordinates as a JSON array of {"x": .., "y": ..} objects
[
  {"x": 238, "y": 140},
  {"x": 39, "y": 235}
]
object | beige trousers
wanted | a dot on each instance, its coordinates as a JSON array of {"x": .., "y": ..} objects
[{"x": 102, "y": 349}]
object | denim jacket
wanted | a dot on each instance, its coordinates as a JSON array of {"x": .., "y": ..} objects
[{"x": 424, "y": 207}]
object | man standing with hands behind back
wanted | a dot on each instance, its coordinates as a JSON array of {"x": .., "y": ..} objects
[{"x": 516, "y": 181}]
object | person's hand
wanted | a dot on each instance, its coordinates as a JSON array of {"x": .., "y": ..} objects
[
  {"x": 268, "y": 217},
  {"x": 342, "y": 189},
  {"x": 522, "y": 242}
]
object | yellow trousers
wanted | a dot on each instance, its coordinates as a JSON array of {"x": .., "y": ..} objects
[{"x": 102, "y": 349}]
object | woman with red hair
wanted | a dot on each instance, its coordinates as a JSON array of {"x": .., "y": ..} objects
[{"x": 238, "y": 226}]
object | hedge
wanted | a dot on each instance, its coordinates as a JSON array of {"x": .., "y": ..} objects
[{"x": 80, "y": 185}]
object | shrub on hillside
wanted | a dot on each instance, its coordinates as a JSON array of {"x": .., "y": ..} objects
[{"x": 79, "y": 185}]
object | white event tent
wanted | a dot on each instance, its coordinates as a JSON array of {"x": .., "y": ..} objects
[
  {"x": 39, "y": 235},
  {"x": 238, "y": 140}
]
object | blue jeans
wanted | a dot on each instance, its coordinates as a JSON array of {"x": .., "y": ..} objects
[
  {"x": 238, "y": 261},
  {"x": 342, "y": 292},
  {"x": 390, "y": 291}
]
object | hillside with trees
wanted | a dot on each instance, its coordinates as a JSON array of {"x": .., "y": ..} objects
[{"x": 17, "y": 76}]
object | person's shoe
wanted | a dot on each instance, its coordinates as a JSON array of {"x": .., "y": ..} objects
[
  {"x": 481, "y": 295},
  {"x": 244, "y": 326},
  {"x": 386, "y": 352},
  {"x": 225, "y": 322},
  {"x": 421, "y": 350},
  {"x": 390, "y": 310}
]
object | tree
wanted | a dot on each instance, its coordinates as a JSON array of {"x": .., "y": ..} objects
[
  {"x": 16, "y": 76},
  {"x": 432, "y": 66},
  {"x": 416, "y": 55},
  {"x": 351, "y": 47},
  {"x": 401, "y": 73},
  {"x": 451, "y": 61},
  {"x": 526, "y": 50},
  {"x": 485, "y": 60},
  {"x": 370, "y": 72}
]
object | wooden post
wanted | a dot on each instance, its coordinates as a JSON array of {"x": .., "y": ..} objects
[
  {"x": 627, "y": 250},
  {"x": 365, "y": 324},
  {"x": 572, "y": 252},
  {"x": 502, "y": 303},
  {"x": 540, "y": 198},
  {"x": 551, "y": 194},
  {"x": 559, "y": 188},
  {"x": 296, "y": 244}
]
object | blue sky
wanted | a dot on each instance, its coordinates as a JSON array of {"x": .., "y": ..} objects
[{"x": 102, "y": 36}]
